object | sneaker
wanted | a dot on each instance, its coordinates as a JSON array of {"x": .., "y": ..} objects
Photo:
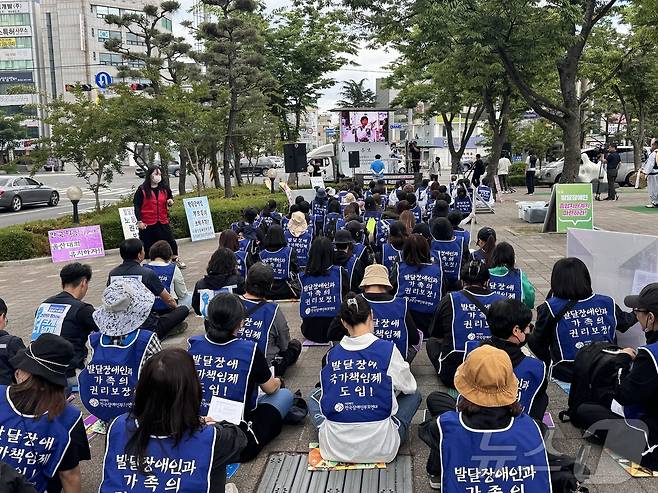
[
  {"x": 230, "y": 488},
  {"x": 435, "y": 482},
  {"x": 181, "y": 265},
  {"x": 651, "y": 206},
  {"x": 177, "y": 330}
]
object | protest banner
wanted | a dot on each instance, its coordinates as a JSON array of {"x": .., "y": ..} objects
[
  {"x": 128, "y": 222},
  {"x": 76, "y": 243},
  {"x": 199, "y": 218}
]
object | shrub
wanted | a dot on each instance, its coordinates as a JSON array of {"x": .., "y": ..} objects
[{"x": 30, "y": 240}]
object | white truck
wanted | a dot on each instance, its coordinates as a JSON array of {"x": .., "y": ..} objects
[{"x": 328, "y": 162}]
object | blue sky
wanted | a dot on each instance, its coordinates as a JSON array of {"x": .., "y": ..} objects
[{"x": 370, "y": 62}]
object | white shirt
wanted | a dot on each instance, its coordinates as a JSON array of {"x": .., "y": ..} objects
[
  {"x": 503, "y": 166},
  {"x": 650, "y": 163},
  {"x": 378, "y": 441},
  {"x": 178, "y": 287}
]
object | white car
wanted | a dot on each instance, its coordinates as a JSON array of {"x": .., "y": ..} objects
[{"x": 552, "y": 172}]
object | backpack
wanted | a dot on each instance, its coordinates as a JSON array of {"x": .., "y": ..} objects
[
  {"x": 595, "y": 371},
  {"x": 330, "y": 228}
]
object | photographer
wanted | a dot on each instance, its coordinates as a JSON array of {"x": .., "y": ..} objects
[{"x": 612, "y": 161}]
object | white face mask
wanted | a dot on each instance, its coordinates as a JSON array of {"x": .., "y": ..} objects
[{"x": 156, "y": 179}]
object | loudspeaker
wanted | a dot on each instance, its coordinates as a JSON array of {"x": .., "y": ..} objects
[
  {"x": 353, "y": 157},
  {"x": 294, "y": 158}
]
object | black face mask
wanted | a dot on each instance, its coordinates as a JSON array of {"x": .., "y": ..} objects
[{"x": 525, "y": 341}]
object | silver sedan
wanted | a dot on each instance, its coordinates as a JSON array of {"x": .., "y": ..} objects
[{"x": 17, "y": 191}]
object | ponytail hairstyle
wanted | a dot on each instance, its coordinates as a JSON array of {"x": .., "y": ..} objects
[
  {"x": 487, "y": 235},
  {"x": 355, "y": 309},
  {"x": 475, "y": 273}
]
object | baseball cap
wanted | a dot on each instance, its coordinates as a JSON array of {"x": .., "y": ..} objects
[{"x": 646, "y": 300}]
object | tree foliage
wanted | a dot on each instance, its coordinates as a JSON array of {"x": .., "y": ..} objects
[{"x": 355, "y": 95}]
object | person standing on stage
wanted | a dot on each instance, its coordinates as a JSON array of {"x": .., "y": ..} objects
[{"x": 152, "y": 201}]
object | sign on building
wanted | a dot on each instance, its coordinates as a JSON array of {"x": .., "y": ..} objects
[
  {"x": 14, "y": 8},
  {"x": 15, "y": 31}
]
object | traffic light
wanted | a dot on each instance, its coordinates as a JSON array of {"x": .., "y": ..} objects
[{"x": 73, "y": 87}]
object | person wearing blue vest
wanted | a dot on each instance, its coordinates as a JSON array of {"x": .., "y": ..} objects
[
  {"x": 630, "y": 415},
  {"x": 332, "y": 220},
  {"x": 9, "y": 347},
  {"x": 460, "y": 317},
  {"x": 163, "y": 444},
  {"x": 66, "y": 314},
  {"x": 265, "y": 323},
  {"x": 269, "y": 215},
  {"x": 456, "y": 219},
  {"x": 221, "y": 276},
  {"x": 485, "y": 195},
  {"x": 509, "y": 323},
  {"x": 419, "y": 281},
  {"x": 319, "y": 208},
  {"x": 243, "y": 258},
  {"x": 119, "y": 351},
  {"x": 448, "y": 252},
  {"x": 506, "y": 279},
  {"x": 276, "y": 253},
  {"x": 486, "y": 242},
  {"x": 231, "y": 371},
  {"x": 572, "y": 317},
  {"x": 362, "y": 248},
  {"x": 345, "y": 257},
  {"x": 463, "y": 202},
  {"x": 299, "y": 237},
  {"x": 391, "y": 316},
  {"x": 170, "y": 275},
  {"x": 371, "y": 209},
  {"x": 43, "y": 437},
  {"x": 391, "y": 252},
  {"x": 356, "y": 411},
  {"x": 323, "y": 287},
  {"x": 488, "y": 440}
]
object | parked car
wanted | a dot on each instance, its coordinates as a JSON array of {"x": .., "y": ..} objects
[
  {"x": 17, "y": 191},
  {"x": 174, "y": 170},
  {"x": 260, "y": 167},
  {"x": 552, "y": 172}
]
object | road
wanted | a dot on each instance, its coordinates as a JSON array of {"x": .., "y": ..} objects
[{"x": 122, "y": 186}]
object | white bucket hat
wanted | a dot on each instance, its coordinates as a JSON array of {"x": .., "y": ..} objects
[{"x": 127, "y": 303}]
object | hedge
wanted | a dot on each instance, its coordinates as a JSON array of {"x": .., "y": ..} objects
[{"x": 30, "y": 240}]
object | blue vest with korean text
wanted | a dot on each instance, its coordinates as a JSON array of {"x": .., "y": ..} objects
[
  {"x": 590, "y": 320},
  {"x": 469, "y": 323},
  {"x": 319, "y": 209},
  {"x": 381, "y": 231},
  {"x": 449, "y": 254},
  {"x": 244, "y": 244},
  {"x": 360, "y": 251},
  {"x": 55, "y": 318},
  {"x": 418, "y": 214},
  {"x": 166, "y": 275},
  {"x": 484, "y": 192},
  {"x": 390, "y": 256},
  {"x": 34, "y": 447},
  {"x": 420, "y": 285},
  {"x": 465, "y": 235},
  {"x": 507, "y": 285},
  {"x": 301, "y": 244},
  {"x": 355, "y": 385},
  {"x": 182, "y": 468},
  {"x": 530, "y": 373},
  {"x": 376, "y": 215},
  {"x": 223, "y": 370},
  {"x": 390, "y": 322},
  {"x": 321, "y": 296},
  {"x": 279, "y": 261},
  {"x": 109, "y": 379},
  {"x": 258, "y": 324},
  {"x": 509, "y": 460},
  {"x": 241, "y": 260},
  {"x": 463, "y": 205}
]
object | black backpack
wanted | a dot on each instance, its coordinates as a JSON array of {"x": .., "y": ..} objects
[{"x": 595, "y": 372}]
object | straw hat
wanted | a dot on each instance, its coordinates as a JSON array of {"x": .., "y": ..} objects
[
  {"x": 376, "y": 275},
  {"x": 297, "y": 224},
  {"x": 487, "y": 379},
  {"x": 127, "y": 303}
]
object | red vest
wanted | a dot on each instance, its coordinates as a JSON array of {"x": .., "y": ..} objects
[{"x": 154, "y": 208}]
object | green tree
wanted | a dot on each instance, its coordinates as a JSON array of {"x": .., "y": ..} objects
[
  {"x": 11, "y": 131},
  {"x": 85, "y": 134},
  {"x": 355, "y": 95}
]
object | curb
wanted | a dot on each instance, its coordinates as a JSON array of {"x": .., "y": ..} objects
[{"x": 48, "y": 260}]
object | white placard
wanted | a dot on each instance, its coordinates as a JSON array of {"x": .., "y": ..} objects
[
  {"x": 221, "y": 409},
  {"x": 199, "y": 218},
  {"x": 128, "y": 222},
  {"x": 16, "y": 54},
  {"x": 317, "y": 181},
  {"x": 14, "y": 7},
  {"x": 641, "y": 278}
]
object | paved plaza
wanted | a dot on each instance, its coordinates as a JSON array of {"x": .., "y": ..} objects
[{"x": 26, "y": 284}]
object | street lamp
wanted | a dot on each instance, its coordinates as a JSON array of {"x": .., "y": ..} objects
[
  {"x": 74, "y": 194},
  {"x": 271, "y": 174}
]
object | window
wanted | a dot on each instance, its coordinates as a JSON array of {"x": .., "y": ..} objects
[
  {"x": 103, "y": 11},
  {"x": 15, "y": 20},
  {"x": 166, "y": 24},
  {"x": 16, "y": 64},
  {"x": 114, "y": 59},
  {"x": 8, "y": 43},
  {"x": 18, "y": 110},
  {"x": 20, "y": 182},
  {"x": 132, "y": 39},
  {"x": 104, "y": 35},
  {"x": 32, "y": 182}
]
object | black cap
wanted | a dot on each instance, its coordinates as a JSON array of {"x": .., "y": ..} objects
[
  {"x": 646, "y": 300},
  {"x": 343, "y": 237},
  {"x": 48, "y": 357},
  {"x": 485, "y": 233}
]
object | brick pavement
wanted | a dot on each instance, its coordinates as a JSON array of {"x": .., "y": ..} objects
[{"x": 27, "y": 284}]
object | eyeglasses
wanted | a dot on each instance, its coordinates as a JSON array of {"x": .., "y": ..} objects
[{"x": 639, "y": 310}]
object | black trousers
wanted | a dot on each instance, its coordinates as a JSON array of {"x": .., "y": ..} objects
[
  {"x": 157, "y": 232},
  {"x": 434, "y": 177},
  {"x": 612, "y": 181},
  {"x": 530, "y": 181},
  {"x": 162, "y": 324},
  {"x": 503, "y": 182},
  {"x": 287, "y": 358}
]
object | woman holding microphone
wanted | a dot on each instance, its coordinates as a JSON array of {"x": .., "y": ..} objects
[{"x": 152, "y": 201}]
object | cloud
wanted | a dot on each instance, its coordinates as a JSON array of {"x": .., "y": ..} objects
[{"x": 370, "y": 63}]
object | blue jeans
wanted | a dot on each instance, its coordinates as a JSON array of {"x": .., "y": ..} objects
[
  {"x": 408, "y": 404},
  {"x": 282, "y": 399}
]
